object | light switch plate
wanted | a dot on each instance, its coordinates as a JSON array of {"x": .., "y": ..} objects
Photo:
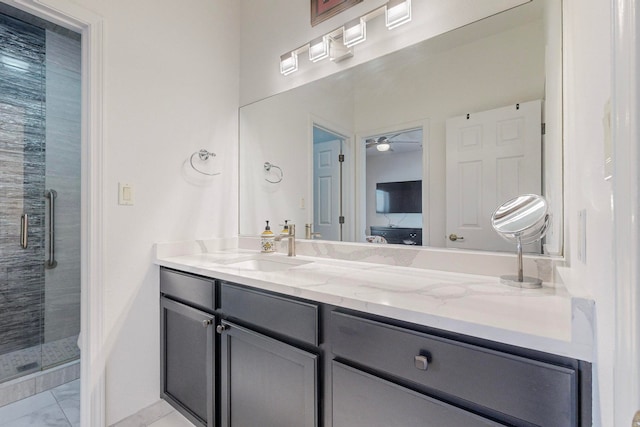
[{"x": 125, "y": 194}]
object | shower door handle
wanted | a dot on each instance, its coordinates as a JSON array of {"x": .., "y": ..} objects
[
  {"x": 51, "y": 195},
  {"x": 24, "y": 231}
]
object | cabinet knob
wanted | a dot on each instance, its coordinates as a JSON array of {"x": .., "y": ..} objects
[
  {"x": 207, "y": 322},
  {"x": 421, "y": 362},
  {"x": 221, "y": 328}
]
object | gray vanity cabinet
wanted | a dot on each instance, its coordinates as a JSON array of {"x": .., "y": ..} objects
[
  {"x": 514, "y": 389},
  {"x": 364, "y": 400},
  {"x": 281, "y": 361},
  {"x": 267, "y": 379},
  {"x": 187, "y": 338},
  {"x": 265, "y": 382}
]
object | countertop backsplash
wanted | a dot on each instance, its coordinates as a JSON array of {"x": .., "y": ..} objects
[{"x": 452, "y": 260}]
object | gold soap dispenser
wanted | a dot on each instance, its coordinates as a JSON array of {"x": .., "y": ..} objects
[
  {"x": 267, "y": 240},
  {"x": 285, "y": 229}
]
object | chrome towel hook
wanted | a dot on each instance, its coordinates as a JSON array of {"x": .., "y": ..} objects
[
  {"x": 204, "y": 156},
  {"x": 268, "y": 166}
]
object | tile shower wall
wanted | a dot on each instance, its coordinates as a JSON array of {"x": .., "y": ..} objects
[
  {"x": 40, "y": 128},
  {"x": 63, "y": 132},
  {"x": 22, "y": 155}
]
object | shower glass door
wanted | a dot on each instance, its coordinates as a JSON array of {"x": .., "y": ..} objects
[{"x": 39, "y": 194}]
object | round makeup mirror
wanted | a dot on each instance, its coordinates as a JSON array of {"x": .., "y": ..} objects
[{"x": 522, "y": 220}]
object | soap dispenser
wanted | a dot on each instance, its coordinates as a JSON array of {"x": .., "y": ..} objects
[
  {"x": 285, "y": 229},
  {"x": 267, "y": 240}
]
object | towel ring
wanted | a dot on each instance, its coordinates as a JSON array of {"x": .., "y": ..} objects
[
  {"x": 267, "y": 167},
  {"x": 204, "y": 156}
]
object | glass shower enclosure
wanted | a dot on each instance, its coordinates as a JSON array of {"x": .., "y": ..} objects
[{"x": 40, "y": 131}]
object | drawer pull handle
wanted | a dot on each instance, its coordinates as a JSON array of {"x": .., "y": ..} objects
[
  {"x": 421, "y": 362},
  {"x": 221, "y": 328},
  {"x": 207, "y": 322}
]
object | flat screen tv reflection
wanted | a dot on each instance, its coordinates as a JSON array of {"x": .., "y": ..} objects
[{"x": 399, "y": 197}]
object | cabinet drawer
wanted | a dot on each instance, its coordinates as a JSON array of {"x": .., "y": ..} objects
[
  {"x": 196, "y": 291},
  {"x": 532, "y": 391},
  {"x": 364, "y": 400},
  {"x": 285, "y": 316}
]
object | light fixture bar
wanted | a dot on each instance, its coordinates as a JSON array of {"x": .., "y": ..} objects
[
  {"x": 338, "y": 51},
  {"x": 397, "y": 12},
  {"x": 354, "y": 32},
  {"x": 289, "y": 63},
  {"x": 337, "y": 44},
  {"x": 319, "y": 49}
]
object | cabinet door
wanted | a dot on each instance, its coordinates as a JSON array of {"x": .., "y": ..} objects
[
  {"x": 265, "y": 382},
  {"x": 364, "y": 400},
  {"x": 187, "y": 361}
]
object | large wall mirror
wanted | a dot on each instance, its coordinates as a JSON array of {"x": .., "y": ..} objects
[{"x": 420, "y": 146}]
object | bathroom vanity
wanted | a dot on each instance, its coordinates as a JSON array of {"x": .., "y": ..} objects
[{"x": 249, "y": 339}]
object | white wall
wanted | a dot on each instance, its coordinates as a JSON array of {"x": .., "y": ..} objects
[
  {"x": 587, "y": 89},
  {"x": 171, "y": 88}
]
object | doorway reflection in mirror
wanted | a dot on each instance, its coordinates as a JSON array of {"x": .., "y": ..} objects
[
  {"x": 328, "y": 158},
  {"x": 393, "y": 186}
]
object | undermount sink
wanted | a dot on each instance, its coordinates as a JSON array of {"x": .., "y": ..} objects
[{"x": 267, "y": 265}]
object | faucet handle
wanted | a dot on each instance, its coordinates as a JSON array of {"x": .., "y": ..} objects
[
  {"x": 292, "y": 229},
  {"x": 309, "y": 233}
]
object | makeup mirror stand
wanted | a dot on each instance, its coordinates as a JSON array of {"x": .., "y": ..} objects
[{"x": 525, "y": 220}]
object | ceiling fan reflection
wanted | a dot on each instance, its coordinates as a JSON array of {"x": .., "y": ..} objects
[{"x": 384, "y": 143}]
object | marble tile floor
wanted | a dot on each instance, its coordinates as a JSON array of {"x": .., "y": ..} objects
[
  {"x": 159, "y": 414},
  {"x": 58, "y": 407},
  {"x": 173, "y": 419}
]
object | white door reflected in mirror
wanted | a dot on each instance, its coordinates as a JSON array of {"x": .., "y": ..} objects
[
  {"x": 327, "y": 183},
  {"x": 492, "y": 156}
]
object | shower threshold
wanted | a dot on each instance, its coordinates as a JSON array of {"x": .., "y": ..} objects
[{"x": 17, "y": 363}]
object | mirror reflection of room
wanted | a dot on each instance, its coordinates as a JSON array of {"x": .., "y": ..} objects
[
  {"x": 394, "y": 187},
  {"x": 482, "y": 75}
]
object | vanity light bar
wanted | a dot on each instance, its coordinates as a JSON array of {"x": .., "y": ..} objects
[
  {"x": 397, "y": 12},
  {"x": 319, "y": 49},
  {"x": 354, "y": 32},
  {"x": 289, "y": 63},
  {"x": 337, "y": 43},
  {"x": 338, "y": 51}
]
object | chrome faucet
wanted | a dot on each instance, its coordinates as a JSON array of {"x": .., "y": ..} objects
[{"x": 291, "y": 240}]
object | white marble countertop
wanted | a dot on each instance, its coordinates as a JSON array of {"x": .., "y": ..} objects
[{"x": 548, "y": 319}]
